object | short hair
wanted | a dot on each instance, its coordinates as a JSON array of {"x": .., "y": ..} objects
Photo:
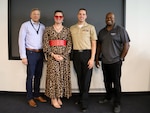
[
  {"x": 110, "y": 13},
  {"x": 35, "y": 9},
  {"x": 83, "y": 9},
  {"x": 60, "y": 11}
]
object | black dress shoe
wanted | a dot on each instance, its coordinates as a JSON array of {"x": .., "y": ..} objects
[
  {"x": 104, "y": 100},
  {"x": 78, "y": 102},
  {"x": 117, "y": 109},
  {"x": 83, "y": 109}
]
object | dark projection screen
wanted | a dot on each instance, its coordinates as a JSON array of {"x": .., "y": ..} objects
[{"x": 19, "y": 12}]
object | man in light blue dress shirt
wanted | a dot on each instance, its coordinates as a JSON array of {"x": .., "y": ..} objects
[{"x": 31, "y": 54}]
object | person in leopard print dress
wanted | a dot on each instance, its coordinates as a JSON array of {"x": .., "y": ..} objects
[{"x": 57, "y": 45}]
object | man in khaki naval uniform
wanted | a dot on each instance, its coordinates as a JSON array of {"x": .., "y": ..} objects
[{"x": 84, "y": 48}]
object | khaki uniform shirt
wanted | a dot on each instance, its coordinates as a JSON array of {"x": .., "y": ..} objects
[{"x": 82, "y": 37}]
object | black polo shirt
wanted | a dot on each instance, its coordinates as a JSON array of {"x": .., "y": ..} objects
[{"x": 112, "y": 43}]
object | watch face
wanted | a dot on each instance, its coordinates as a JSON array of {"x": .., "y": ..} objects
[{"x": 121, "y": 59}]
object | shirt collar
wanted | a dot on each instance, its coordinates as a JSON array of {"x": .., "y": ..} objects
[
  {"x": 112, "y": 28},
  {"x": 34, "y": 22},
  {"x": 84, "y": 24}
]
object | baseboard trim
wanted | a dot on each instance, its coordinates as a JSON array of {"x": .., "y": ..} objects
[{"x": 76, "y": 93}]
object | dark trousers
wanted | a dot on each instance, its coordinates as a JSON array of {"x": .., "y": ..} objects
[
  {"x": 112, "y": 75},
  {"x": 34, "y": 70},
  {"x": 80, "y": 60}
]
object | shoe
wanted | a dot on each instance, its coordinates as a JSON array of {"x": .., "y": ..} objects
[
  {"x": 55, "y": 104},
  {"x": 59, "y": 101},
  {"x": 78, "y": 102},
  {"x": 83, "y": 107},
  {"x": 104, "y": 100},
  {"x": 40, "y": 99},
  {"x": 117, "y": 109},
  {"x": 32, "y": 103},
  {"x": 83, "y": 110}
]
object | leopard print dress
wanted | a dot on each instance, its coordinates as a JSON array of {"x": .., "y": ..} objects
[{"x": 58, "y": 78}]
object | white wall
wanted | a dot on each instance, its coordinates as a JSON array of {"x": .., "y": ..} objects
[{"x": 135, "y": 71}]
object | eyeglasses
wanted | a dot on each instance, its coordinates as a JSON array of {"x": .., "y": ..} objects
[{"x": 58, "y": 17}]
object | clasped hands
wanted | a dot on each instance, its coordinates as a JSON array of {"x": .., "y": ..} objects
[{"x": 57, "y": 57}]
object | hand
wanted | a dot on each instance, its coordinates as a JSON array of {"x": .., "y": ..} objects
[
  {"x": 45, "y": 57},
  {"x": 58, "y": 57},
  {"x": 90, "y": 63},
  {"x": 25, "y": 61},
  {"x": 97, "y": 64}
]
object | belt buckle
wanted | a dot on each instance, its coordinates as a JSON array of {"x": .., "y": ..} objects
[{"x": 80, "y": 50}]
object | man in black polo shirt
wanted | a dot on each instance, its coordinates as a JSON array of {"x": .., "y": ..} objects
[{"x": 113, "y": 45}]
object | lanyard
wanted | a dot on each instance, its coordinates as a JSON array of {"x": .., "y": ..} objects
[{"x": 37, "y": 31}]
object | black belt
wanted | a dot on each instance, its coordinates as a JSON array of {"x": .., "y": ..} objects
[{"x": 80, "y": 51}]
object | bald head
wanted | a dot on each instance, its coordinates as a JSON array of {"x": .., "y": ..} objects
[{"x": 110, "y": 13}]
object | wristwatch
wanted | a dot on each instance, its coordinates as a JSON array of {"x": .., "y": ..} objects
[{"x": 122, "y": 59}]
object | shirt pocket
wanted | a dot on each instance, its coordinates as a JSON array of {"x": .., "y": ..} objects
[
  {"x": 85, "y": 33},
  {"x": 115, "y": 37}
]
